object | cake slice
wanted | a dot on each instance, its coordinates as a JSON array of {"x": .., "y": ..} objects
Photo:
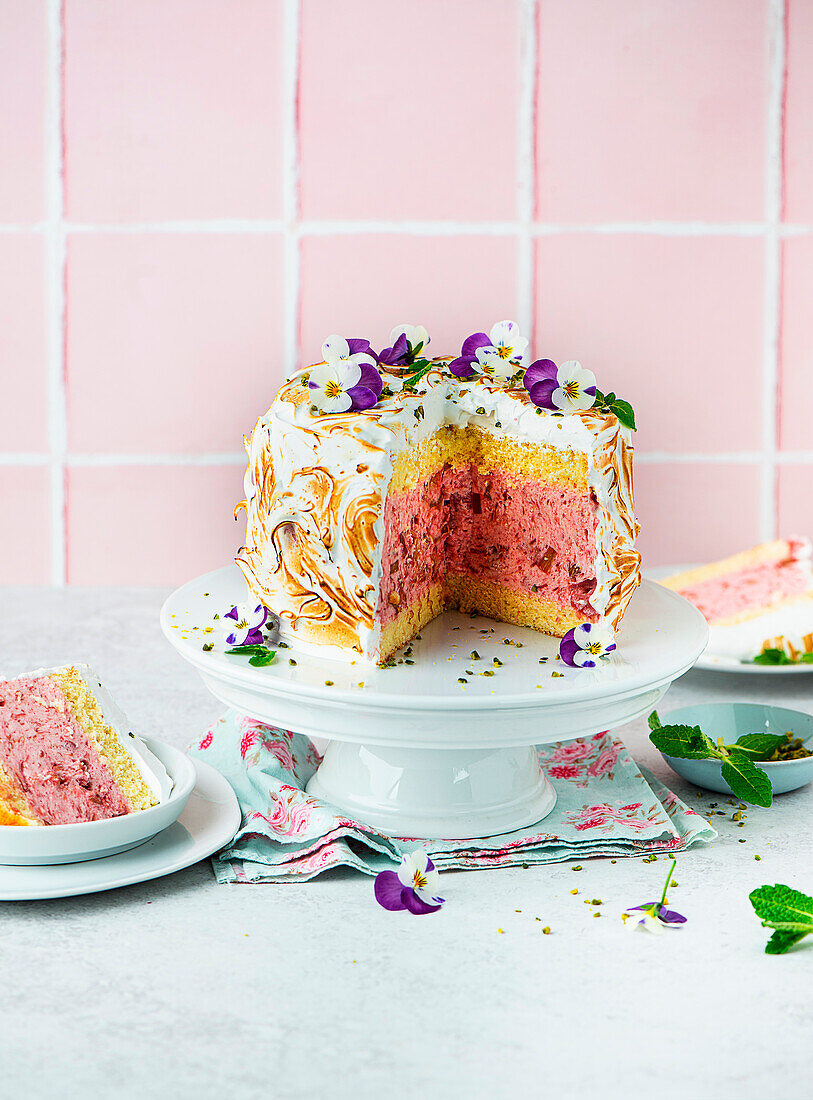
[
  {"x": 67, "y": 753},
  {"x": 757, "y": 599}
]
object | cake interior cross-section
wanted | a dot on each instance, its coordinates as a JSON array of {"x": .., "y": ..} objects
[{"x": 383, "y": 489}]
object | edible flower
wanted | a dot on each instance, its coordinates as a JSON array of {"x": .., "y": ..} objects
[
  {"x": 656, "y": 917},
  {"x": 348, "y": 380},
  {"x": 499, "y": 355},
  {"x": 413, "y": 886},
  {"x": 584, "y": 645},
  {"x": 408, "y": 342},
  {"x": 246, "y": 625},
  {"x": 567, "y": 388}
]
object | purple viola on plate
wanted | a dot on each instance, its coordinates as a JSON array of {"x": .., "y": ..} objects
[
  {"x": 413, "y": 886},
  {"x": 408, "y": 342},
  {"x": 566, "y": 388},
  {"x": 585, "y": 645},
  {"x": 653, "y": 916},
  {"x": 498, "y": 355},
  {"x": 348, "y": 380},
  {"x": 246, "y": 624}
]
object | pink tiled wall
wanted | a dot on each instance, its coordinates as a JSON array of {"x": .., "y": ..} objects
[{"x": 194, "y": 192}]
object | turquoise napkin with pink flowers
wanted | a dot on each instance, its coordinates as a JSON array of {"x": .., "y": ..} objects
[{"x": 606, "y": 806}]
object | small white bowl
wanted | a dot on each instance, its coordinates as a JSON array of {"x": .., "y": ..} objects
[
  {"x": 732, "y": 720},
  {"x": 22, "y": 845}
]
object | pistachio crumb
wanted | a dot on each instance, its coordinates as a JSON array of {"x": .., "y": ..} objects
[{"x": 546, "y": 929}]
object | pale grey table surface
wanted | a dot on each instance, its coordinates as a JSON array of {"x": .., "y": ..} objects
[{"x": 182, "y": 988}]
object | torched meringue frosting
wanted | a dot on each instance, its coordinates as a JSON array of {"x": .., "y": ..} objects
[{"x": 316, "y": 484}]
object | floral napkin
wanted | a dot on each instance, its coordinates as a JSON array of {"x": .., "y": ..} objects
[{"x": 606, "y": 806}]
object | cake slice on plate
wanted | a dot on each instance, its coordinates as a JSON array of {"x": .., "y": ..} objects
[
  {"x": 758, "y": 599},
  {"x": 67, "y": 753}
]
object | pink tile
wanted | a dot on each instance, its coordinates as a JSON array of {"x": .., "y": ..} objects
[
  {"x": 651, "y": 109},
  {"x": 798, "y": 145},
  {"x": 692, "y": 513},
  {"x": 23, "y": 411},
  {"x": 25, "y": 552},
  {"x": 173, "y": 110},
  {"x": 795, "y": 501},
  {"x": 23, "y": 49},
  {"x": 673, "y": 324},
  {"x": 408, "y": 110},
  {"x": 151, "y": 524},
  {"x": 796, "y": 375},
  {"x": 174, "y": 342},
  {"x": 365, "y": 285}
]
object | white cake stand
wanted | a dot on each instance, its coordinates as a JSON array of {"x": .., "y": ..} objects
[{"x": 415, "y": 752}]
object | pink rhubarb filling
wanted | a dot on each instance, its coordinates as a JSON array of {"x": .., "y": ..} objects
[
  {"x": 529, "y": 536},
  {"x": 48, "y": 755},
  {"x": 732, "y": 594}
]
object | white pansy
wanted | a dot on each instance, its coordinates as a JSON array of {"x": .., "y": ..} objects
[
  {"x": 340, "y": 372},
  {"x": 506, "y": 354},
  {"x": 573, "y": 380},
  {"x": 594, "y": 641},
  {"x": 415, "y": 873},
  {"x": 645, "y": 922},
  {"x": 415, "y": 334},
  {"x": 250, "y": 617}
]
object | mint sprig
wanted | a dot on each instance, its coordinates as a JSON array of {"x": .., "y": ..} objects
[
  {"x": 746, "y": 780},
  {"x": 789, "y": 912},
  {"x": 608, "y": 402},
  {"x": 770, "y": 655}
]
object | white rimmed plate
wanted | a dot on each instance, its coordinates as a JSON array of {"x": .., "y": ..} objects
[
  {"x": 31, "y": 845},
  {"x": 209, "y": 821}
]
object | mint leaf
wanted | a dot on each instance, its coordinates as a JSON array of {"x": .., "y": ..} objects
[
  {"x": 757, "y": 746},
  {"x": 625, "y": 413},
  {"x": 684, "y": 742},
  {"x": 789, "y": 912},
  {"x": 654, "y": 721},
  {"x": 806, "y": 658},
  {"x": 782, "y": 941},
  {"x": 782, "y": 905},
  {"x": 246, "y": 650},
  {"x": 746, "y": 780},
  {"x": 259, "y": 660},
  {"x": 771, "y": 656}
]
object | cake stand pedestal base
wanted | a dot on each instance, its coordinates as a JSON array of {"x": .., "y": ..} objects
[{"x": 437, "y": 793}]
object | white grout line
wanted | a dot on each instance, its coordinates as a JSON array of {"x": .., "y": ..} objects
[
  {"x": 526, "y": 165},
  {"x": 290, "y": 186},
  {"x": 772, "y": 289},
  {"x": 440, "y": 228},
  {"x": 55, "y": 275}
]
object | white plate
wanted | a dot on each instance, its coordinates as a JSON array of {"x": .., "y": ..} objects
[
  {"x": 415, "y": 752},
  {"x": 209, "y": 821},
  {"x": 28, "y": 845},
  {"x": 711, "y": 662}
]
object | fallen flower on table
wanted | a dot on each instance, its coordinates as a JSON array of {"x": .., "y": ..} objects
[
  {"x": 655, "y": 916},
  {"x": 789, "y": 912},
  {"x": 413, "y": 886}
]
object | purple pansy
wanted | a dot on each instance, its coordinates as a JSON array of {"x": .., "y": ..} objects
[
  {"x": 411, "y": 887},
  {"x": 584, "y": 645},
  {"x": 248, "y": 624},
  {"x": 655, "y": 916},
  {"x": 567, "y": 388},
  {"x": 348, "y": 380},
  {"x": 498, "y": 355},
  {"x": 408, "y": 342}
]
